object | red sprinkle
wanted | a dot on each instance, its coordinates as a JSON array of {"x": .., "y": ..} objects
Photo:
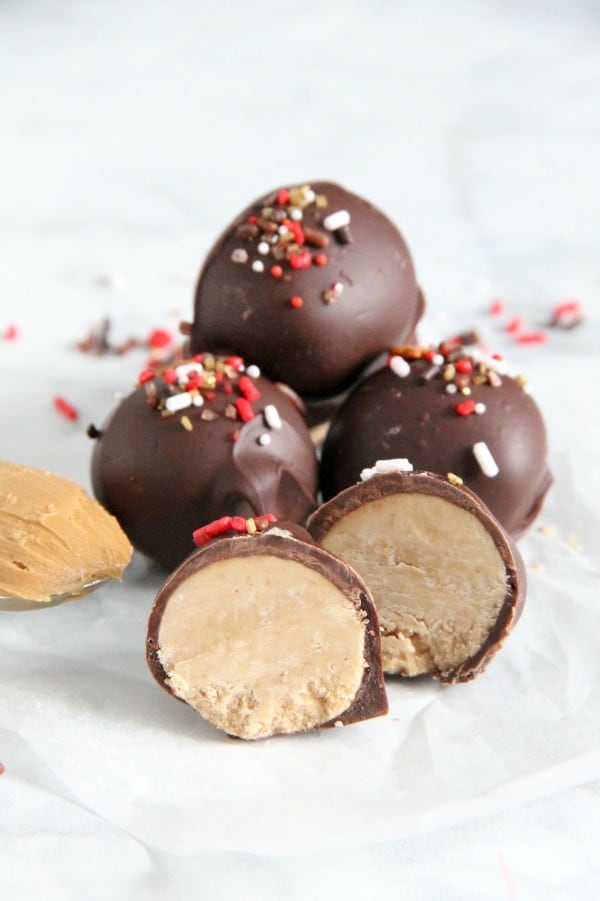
[
  {"x": 565, "y": 308},
  {"x": 465, "y": 408},
  {"x": 248, "y": 388},
  {"x": 276, "y": 271},
  {"x": 65, "y": 408},
  {"x": 245, "y": 411},
  {"x": 283, "y": 196},
  {"x": 146, "y": 375},
  {"x": 463, "y": 365},
  {"x": 296, "y": 301},
  {"x": 235, "y": 362},
  {"x": 159, "y": 338},
  {"x": 300, "y": 260},
  {"x": 252, "y": 220},
  {"x": 211, "y": 530},
  {"x": 497, "y": 307},
  {"x": 429, "y": 355},
  {"x": 235, "y": 435},
  {"x": 320, "y": 259},
  {"x": 538, "y": 337},
  {"x": 193, "y": 382},
  {"x": 10, "y": 332},
  {"x": 296, "y": 229},
  {"x": 2, "y": 768},
  {"x": 514, "y": 326},
  {"x": 169, "y": 376}
]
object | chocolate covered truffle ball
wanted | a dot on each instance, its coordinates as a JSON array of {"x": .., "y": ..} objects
[
  {"x": 447, "y": 581},
  {"x": 311, "y": 282},
  {"x": 203, "y": 439},
  {"x": 267, "y": 634},
  {"x": 446, "y": 410}
]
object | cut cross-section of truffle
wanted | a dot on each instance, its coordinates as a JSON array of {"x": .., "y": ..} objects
[
  {"x": 267, "y": 634},
  {"x": 447, "y": 580}
]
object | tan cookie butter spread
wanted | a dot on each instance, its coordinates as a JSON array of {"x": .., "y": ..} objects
[{"x": 54, "y": 539}]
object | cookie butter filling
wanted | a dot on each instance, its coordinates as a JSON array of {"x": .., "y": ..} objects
[
  {"x": 436, "y": 575},
  {"x": 54, "y": 539},
  {"x": 262, "y": 645}
]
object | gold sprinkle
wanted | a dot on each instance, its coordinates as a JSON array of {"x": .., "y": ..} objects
[
  {"x": 548, "y": 531},
  {"x": 321, "y": 201},
  {"x": 449, "y": 373},
  {"x": 522, "y": 380},
  {"x": 454, "y": 479},
  {"x": 250, "y": 526},
  {"x": 209, "y": 380},
  {"x": 187, "y": 423},
  {"x": 208, "y": 361},
  {"x": 466, "y": 390},
  {"x": 408, "y": 351}
]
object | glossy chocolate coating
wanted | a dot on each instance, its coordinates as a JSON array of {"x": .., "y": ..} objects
[
  {"x": 321, "y": 347},
  {"x": 389, "y": 416},
  {"x": 162, "y": 481},
  {"x": 426, "y": 483},
  {"x": 291, "y": 542}
]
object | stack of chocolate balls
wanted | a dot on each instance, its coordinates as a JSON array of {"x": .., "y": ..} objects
[{"x": 306, "y": 312}]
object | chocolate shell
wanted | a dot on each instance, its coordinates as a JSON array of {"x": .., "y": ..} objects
[
  {"x": 203, "y": 439},
  {"x": 311, "y": 283},
  {"x": 445, "y": 410},
  {"x": 447, "y": 580},
  {"x": 268, "y": 634}
]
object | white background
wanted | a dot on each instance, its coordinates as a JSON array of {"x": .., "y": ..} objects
[{"x": 130, "y": 134}]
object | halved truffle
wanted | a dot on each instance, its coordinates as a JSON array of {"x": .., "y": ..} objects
[
  {"x": 447, "y": 580},
  {"x": 268, "y": 634}
]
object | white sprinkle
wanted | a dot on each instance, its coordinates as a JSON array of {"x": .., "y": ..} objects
[
  {"x": 264, "y": 439},
  {"x": 252, "y": 371},
  {"x": 296, "y": 214},
  {"x": 258, "y": 266},
  {"x": 263, "y": 247},
  {"x": 437, "y": 359},
  {"x": 339, "y": 219},
  {"x": 178, "y": 402},
  {"x": 498, "y": 366},
  {"x": 185, "y": 369},
  {"x": 399, "y": 464},
  {"x": 399, "y": 366},
  {"x": 283, "y": 229},
  {"x": 487, "y": 464},
  {"x": 239, "y": 255},
  {"x": 451, "y": 388},
  {"x": 309, "y": 195},
  {"x": 480, "y": 408},
  {"x": 272, "y": 417},
  {"x": 197, "y": 400},
  {"x": 526, "y": 387}
]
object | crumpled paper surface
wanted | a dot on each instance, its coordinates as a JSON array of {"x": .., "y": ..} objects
[{"x": 82, "y": 719}]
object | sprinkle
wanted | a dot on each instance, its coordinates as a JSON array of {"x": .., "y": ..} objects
[
  {"x": 399, "y": 366},
  {"x": 567, "y": 314},
  {"x": 263, "y": 247},
  {"x": 465, "y": 408},
  {"x": 245, "y": 411},
  {"x": 451, "y": 388},
  {"x": 333, "y": 293},
  {"x": 283, "y": 197},
  {"x": 454, "y": 479},
  {"x": 187, "y": 423},
  {"x": 197, "y": 400},
  {"x": 300, "y": 260},
  {"x": 315, "y": 237},
  {"x": 239, "y": 255},
  {"x": 487, "y": 464},
  {"x": 209, "y": 415},
  {"x": 514, "y": 326},
  {"x": 493, "y": 379},
  {"x": 253, "y": 371},
  {"x": 398, "y": 464},
  {"x": 258, "y": 266},
  {"x": 65, "y": 408},
  {"x": 464, "y": 366},
  {"x": 296, "y": 214},
  {"x": 2, "y": 769},
  {"x": 272, "y": 417},
  {"x": 537, "y": 337},
  {"x": 251, "y": 526},
  {"x": 248, "y": 388},
  {"x": 337, "y": 220},
  {"x": 497, "y": 307},
  {"x": 178, "y": 402},
  {"x": 10, "y": 332},
  {"x": 320, "y": 259},
  {"x": 235, "y": 362},
  {"x": 211, "y": 530},
  {"x": 185, "y": 370},
  {"x": 146, "y": 375},
  {"x": 264, "y": 439},
  {"x": 276, "y": 271},
  {"x": 296, "y": 301},
  {"x": 159, "y": 338},
  {"x": 480, "y": 408},
  {"x": 437, "y": 359}
]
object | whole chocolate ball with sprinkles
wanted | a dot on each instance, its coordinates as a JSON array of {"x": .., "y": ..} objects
[
  {"x": 312, "y": 282},
  {"x": 449, "y": 409},
  {"x": 206, "y": 438}
]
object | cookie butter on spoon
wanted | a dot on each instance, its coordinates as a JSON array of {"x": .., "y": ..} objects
[
  {"x": 265, "y": 633},
  {"x": 55, "y": 541},
  {"x": 447, "y": 580}
]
